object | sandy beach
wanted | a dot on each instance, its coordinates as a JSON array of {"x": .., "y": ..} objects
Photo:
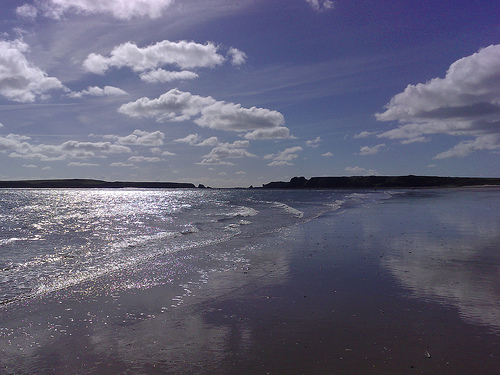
[{"x": 374, "y": 290}]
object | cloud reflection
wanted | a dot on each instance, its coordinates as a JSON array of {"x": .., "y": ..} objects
[{"x": 448, "y": 252}]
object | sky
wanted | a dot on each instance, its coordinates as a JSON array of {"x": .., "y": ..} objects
[{"x": 233, "y": 93}]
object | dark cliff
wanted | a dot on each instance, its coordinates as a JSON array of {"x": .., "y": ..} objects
[{"x": 371, "y": 182}]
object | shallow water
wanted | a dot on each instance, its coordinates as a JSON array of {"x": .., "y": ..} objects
[{"x": 267, "y": 281}]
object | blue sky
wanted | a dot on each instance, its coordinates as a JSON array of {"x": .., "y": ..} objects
[{"x": 238, "y": 92}]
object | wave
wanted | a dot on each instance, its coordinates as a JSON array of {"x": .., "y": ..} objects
[{"x": 288, "y": 209}]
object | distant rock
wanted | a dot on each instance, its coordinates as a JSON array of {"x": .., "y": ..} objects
[
  {"x": 88, "y": 183},
  {"x": 372, "y": 182}
]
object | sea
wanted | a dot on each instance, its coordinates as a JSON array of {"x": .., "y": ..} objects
[
  {"x": 55, "y": 239},
  {"x": 156, "y": 281}
]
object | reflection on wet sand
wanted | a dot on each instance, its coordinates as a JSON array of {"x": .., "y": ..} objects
[
  {"x": 450, "y": 254},
  {"x": 170, "y": 328}
]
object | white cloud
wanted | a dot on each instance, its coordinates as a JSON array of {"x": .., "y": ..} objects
[
  {"x": 212, "y": 142},
  {"x": 140, "y": 159},
  {"x": 190, "y": 139},
  {"x": 230, "y": 116},
  {"x": 327, "y": 154},
  {"x": 237, "y": 57},
  {"x": 162, "y": 76},
  {"x": 77, "y": 164},
  {"x": 490, "y": 142},
  {"x": 156, "y": 151},
  {"x": 97, "y": 91},
  {"x": 366, "y": 150},
  {"x": 139, "y": 138},
  {"x": 215, "y": 162},
  {"x": 19, "y": 147},
  {"x": 284, "y": 158},
  {"x": 182, "y": 54},
  {"x": 221, "y": 150},
  {"x": 1, "y": 125},
  {"x": 278, "y": 132},
  {"x": 27, "y": 11},
  {"x": 225, "y": 150},
  {"x": 120, "y": 9},
  {"x": 358, "y": 171},
  {"x": 19, "y": 80},
  {"x": 466, "y": 102},
  {"x": 29, "y": 166},
  {"x": 121, "y": 165},
  {"x": 321, "y": 5},
  {"x": 176, "y": 105},
  {"x": 280, "y": 163},
  {"x": 364, "y": 134},
  {"x": 219, "y": 153},
  {"x": 314, "y": 142}
]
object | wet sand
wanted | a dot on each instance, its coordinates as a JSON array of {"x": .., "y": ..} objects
[{"x": 374, "y": 290}]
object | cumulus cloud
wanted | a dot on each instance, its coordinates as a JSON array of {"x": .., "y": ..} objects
[
  {"x": 162, "y": 76},
  {"x": 314, "y": 142},
  {"x": 212, "y": 141},
  {"x": 19, "y": 147},
  {"x": 146, "y": 159},
  {"x": 190, "y": 139},
  {"x": 19, "y": 80},
  {"x": 182, "y": 54},
  {"x": 284, "y": 157},
  {"x": 278, "y": 132},
  {"x": 97, "y": 91},
  {"x": 321, "y": 5},
  {"x": 231, "y": 116},
  {"x": 121, "y": 165},
  {"x": 27, "y": 11},
  {"x": 159, "y": 151},
  {"x": 220, "y": 150},
  {"x": 367, "y": 150},
  {"x": 490, "y": 142},
  {"x": 364, "y": 134},
  {"x": 139, "y": 138},
  {"x": 176, "y": 105},
  {"x": 224, "y": 150},
  {"x": 358, "y": 171},
  {"x": 78, "y": 164},
  {"x": 466, "y": 102},
  {"x": 280, "y": 163},
  {"x": 237, "y": 57},
  {"x": 327, "y": 154},
  {"x": 228, "y": 152},
  {"x": 117, "y": 8},
  {"x": 215, "y": 162}
]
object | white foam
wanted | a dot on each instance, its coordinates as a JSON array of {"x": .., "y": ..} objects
[
  {"x": 289, "y": 209},
  {"x": 246, "y": 211},
  {"x": 7, "y": 241}
]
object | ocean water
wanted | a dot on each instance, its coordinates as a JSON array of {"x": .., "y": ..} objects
[
  {"x": 215, "y": 281},
  {"x": 62, "y": 238}
]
